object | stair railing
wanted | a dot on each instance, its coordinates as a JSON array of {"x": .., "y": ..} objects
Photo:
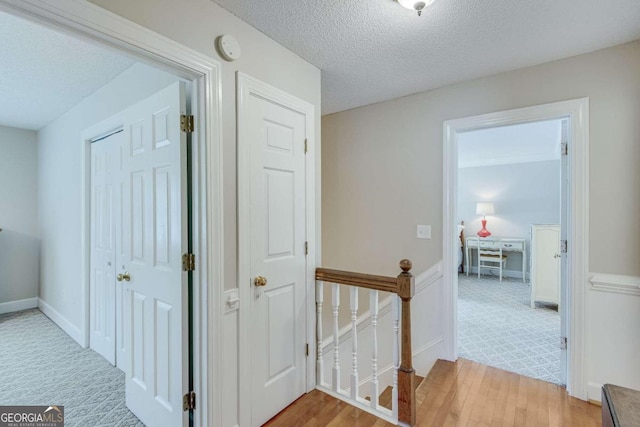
[{"x": 403, "y": 402}]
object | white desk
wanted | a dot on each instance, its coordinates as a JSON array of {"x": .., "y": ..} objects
[{"x": 508, "y": 244}]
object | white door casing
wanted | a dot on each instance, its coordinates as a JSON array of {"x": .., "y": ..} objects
[
  {"x": 273, "y": 173},
  {"x": 105, "y": 204},
  {"x": 577, "y": 113},
  {"x": 565, "y": 218},
  {"x": 154, "y": 239}
]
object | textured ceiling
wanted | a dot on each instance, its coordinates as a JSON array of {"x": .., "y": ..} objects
[
  {"x": 523, "y": 143},
  {"x": 44, "y": 73},
  {"x": 374, "y": 50}
]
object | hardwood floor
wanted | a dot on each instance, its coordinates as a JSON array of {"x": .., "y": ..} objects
[
  {"x": 386, "y": 395},
  {"x": 464, "y": 393}
]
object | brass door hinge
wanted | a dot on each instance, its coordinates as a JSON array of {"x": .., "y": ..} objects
[
  {"x": 307, "y": 350},
  {"x": 306, "y": 147},
  {"x": 564, "y": 150},
  {"x": 189, "y": 401},
  {"x": 186, "y": 123},
  {"x": 306, "y": 248},
  {"x": 188, "y": 262}
]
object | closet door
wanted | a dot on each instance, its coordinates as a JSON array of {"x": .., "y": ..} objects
[
  {"x": 105, "y": 194},
  {"x": 545, "y": 263}
]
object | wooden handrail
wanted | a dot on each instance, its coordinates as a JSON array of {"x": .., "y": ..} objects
[
  {"x": 368, "y": 281},
  {"x": 404, "y": 287}
]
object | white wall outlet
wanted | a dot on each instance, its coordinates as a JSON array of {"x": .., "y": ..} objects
[{"x": 424, "y": 232}]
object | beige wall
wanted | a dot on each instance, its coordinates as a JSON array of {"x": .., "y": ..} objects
[
  {"x": 197, "y": 23},
  {"x": 382, "y": 175},
  {"x": 382, "y": 164}
]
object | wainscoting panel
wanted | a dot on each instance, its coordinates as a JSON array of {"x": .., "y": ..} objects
[{"x": 613, "y": 341}]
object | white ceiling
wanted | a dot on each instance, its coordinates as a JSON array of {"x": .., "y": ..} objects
[
  {"x": 523, "y": 143},
  {"x": 44, "y": 73},
  {"x": 374, "y": 50}
]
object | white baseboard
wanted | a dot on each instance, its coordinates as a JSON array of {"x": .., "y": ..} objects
[
  {"x": 23, "y": 304},
  {"x": 515, "y": 274},
  {"x": 72, "y": 330},
  {"x": 594, "y": 393}
]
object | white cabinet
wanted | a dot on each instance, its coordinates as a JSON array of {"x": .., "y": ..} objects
[{"x": 545, "y": 263}]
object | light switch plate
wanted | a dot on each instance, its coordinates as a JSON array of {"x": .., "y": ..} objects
[
  {"x": 232, "y": 299},
  {"x": 424, "y": 232}
]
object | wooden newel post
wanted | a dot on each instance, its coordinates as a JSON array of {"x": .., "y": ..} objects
[{"x": 406, "y": 373}]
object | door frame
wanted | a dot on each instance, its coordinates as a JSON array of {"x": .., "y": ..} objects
[
  {"x": 247, "y": 85},
  {"x": 577, "y": 111},
  {"x": 96, "y": 24}
]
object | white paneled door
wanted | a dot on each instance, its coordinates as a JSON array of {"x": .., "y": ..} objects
[
  {"x": 154, "y": 239},
  {"x": 276, "y": 135},
  {"x": 105, "y": 204}
]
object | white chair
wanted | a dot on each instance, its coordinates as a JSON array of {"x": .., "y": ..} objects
[{"x": 490, "y": 256}]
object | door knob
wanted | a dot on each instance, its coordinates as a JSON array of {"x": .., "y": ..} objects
[
  {"x": 126, "y": 277},
  {"x": 260, "y": 281}
]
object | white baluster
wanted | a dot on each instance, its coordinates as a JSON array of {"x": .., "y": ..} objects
[
  {"x": 354, "y": 347},
  {"x": 375, "y": 394},
  {"x": 335, "y": 298},
  {"x": 395, "y": 310},
  {"x": 319, "y": 359}
]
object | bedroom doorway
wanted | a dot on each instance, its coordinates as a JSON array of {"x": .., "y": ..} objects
[
  {"x": 509, "y": 274},
  {"x": 59, "y": 158},
  {"x": 574, "y": 229}
]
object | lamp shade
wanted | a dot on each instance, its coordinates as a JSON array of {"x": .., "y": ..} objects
[{"x": 485, "y": 209}]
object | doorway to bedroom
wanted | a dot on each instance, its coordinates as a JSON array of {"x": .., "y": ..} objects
[
  {"x": 95, "y": 219},
  {"x": 510, "y": 205}
]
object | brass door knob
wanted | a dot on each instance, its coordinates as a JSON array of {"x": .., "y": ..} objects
[
  {"x": 260, "y": 281},
  {"x": 126, "y": 277}
]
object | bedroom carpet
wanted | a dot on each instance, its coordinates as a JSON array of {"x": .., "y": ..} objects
[
  {"x": 41, "y": 365},
  {"x": 497, "y": 327}
]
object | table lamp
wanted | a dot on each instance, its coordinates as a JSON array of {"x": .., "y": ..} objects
[{"x": 484, "y": 209}]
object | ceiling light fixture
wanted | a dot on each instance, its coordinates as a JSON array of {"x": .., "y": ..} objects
[{"x": 418, "y": 6}]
